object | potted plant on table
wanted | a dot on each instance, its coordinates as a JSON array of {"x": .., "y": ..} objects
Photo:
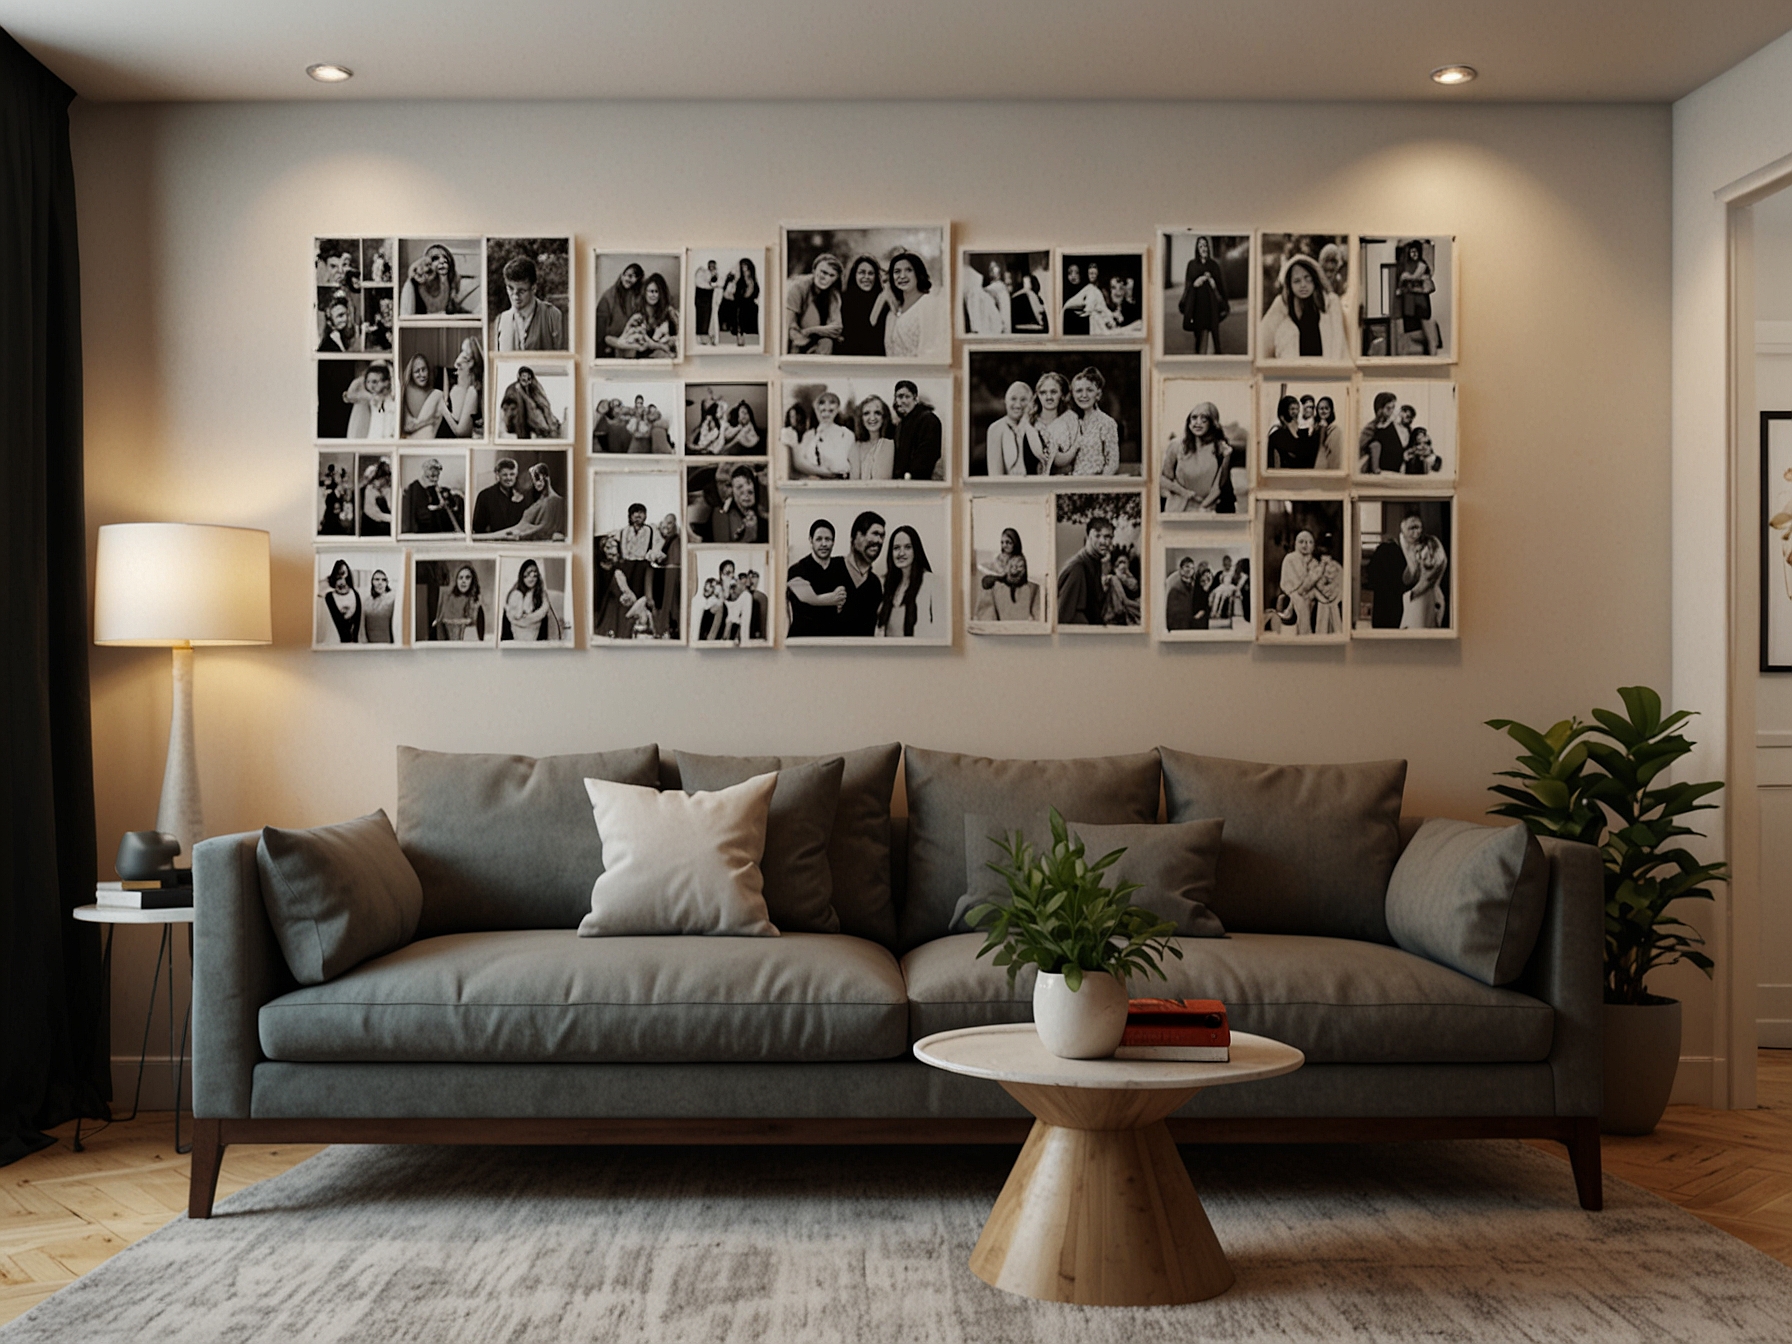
[
  {"x": 1085, "y": 937},
  {"x": 1595, "y": 783}
]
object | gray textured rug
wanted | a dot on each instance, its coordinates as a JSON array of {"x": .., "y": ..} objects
[{"x": 1446, "y": 1241}]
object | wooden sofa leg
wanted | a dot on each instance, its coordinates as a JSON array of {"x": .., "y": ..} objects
[
  {"x": 208, "y": 1158},
  {"x": 1583, "y": 1156}
]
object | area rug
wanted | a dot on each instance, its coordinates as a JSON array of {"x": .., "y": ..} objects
[{"x": 1422, "y": 1242}]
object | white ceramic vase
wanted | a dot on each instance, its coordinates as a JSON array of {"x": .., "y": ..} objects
[{"x": 1086, "y": 1024}]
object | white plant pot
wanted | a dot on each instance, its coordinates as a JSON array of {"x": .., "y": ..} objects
[{"x": 1084, "y": 1025}]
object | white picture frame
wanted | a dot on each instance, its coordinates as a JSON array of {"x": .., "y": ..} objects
[
  {"x": 343, "y": 411},
  {"x": 556, "y": 293},
  {"x": 445, "y": 499},
  {"x": 642, "y": 563},
  {"x": 1331, "y": 256},
  {"x": 1424, "y": 416},
  {"x": 801, "y": 453},
  {"x": 1383, "y": 265},
  {"x": 364, "y": 566},
  {"x": 1074, "y": 531},
  {"x": 981, "y": 314},
  {"x": 713, "y": 425},
  {"x": 712, "y": 619},
  {"x": 707, "y": 333},
  {"x": 534, "y": 509},
  {"x": 991, "y": 370},
  {"x": 1177, "y": 400},
  {"x": 1177, "y": 298},
  {"x": 1277, "y": 523},
  {"x": 614, "y": 437},
  {"x": 1090, "y": 313},
  {"x": 472, "y": 622},
  {"x": 926, "y": 339},
  {"x": 991, "y": 520},
  {"x": 1220, "y": 602},
  {"x": 555, "y": 618},
  {"x": 1330, "y": 444},
  {"x": 929, "y": 514},
  {"x": 657, "y": 339},
  {"x": 550, "y": 417},
  {"x": 459, "y": 289},
  {"x": 1378, "y": 578}
]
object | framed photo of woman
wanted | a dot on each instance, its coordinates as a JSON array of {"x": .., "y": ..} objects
[
  {"x": 1098, "y": 546},
  {"x": 731, "y": 603},
  {"x": 1303, "y": 549},
  {"x": 723, "y": 419},
  {"x": 1203, "y": 590},
  {"x": 1205, "y": 445},
  {"x": 870, "y": 570},
  {"x": 1204, "y": 294},
  {"x": 359, "y": 599},
  {"x": 441, "y": 279},
  {"x": 637, "y": 314},
  {"x": 1005, "y": 294},
  {"x": 1033, "y": 411},
  {"x": 1009, "y": 577},
  {"x": 528, "y": 293},
  {"x": 441, "y": 382},
  {"x": 1405, "y": 574},
  {"x": 1306, "y": 306},
  {"x": 535, "y": 607},
  {"x": 1407, "y": 299},
  {"x": 1305, "y": 429},
  {"x": 455, "y": 601},
  {"x": 1407, "y": 433},
  {"x": 725, "y": 311},
  {"x": 876, "y": 293},
  {"x": 862, "y": 432},
  {"x": 1101, "y": 293}
]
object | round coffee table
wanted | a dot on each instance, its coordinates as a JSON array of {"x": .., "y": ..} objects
[{"x": 1099, "y": 1208}]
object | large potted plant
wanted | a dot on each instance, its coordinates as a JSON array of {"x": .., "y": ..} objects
[
  {"x": 1596, "y": 783},
  {"x": 1085, "y": 937}
]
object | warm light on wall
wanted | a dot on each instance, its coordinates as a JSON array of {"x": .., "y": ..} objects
[
  {"x": 1453, "y": 74},
  {"x": 329, "y": 73}
]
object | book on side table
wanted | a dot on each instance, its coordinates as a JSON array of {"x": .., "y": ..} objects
[
  {"x": 1189, "y": 1030},
  {"x": 143, "y": 895}
]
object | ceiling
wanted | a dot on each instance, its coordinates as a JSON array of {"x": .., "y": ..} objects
[{"x": 1293, "y": 50}]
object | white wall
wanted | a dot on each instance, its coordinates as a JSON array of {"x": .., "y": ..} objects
[{"x": 196, "y": 227}]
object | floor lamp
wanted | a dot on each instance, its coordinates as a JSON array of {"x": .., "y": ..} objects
[{"x": 180, "y": 586}]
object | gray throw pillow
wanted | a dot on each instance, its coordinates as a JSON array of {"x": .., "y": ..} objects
[
  {"x": 859, "y": 848},
  {"x": 943, "y": 786},
  {"x": 1173, "y": 864},
  {"x": 1470, "y": 897},
  {"x": 1308, "y": 848},
  {"x": 799, "y": 885},
  {"x": 507, "y": 842},
  {"x": 337, "y": 895}
]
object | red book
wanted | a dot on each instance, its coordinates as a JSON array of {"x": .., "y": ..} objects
[{"x": 1176, "y": 1022}]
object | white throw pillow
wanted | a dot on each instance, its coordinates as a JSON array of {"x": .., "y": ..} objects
[{"x": 679, "y": 862}]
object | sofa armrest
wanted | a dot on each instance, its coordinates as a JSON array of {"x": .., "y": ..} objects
[
  {"x": 1567, "y": 971},
  {"x": 237, "y": 967}
]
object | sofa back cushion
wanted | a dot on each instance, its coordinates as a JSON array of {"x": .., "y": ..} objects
[
  {"x": 1470, "y": 897},
  {"x": 1307, "y": 848},
  {"x": 337, "y": 895},
  {"x": 506, "y": 842}
]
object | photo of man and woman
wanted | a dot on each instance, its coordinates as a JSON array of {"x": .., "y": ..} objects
[
  {"x": 534, "y": 612},
  {"x": 1005, "y": 295},
  {"x": 439, "y": 279},
  {"x": 1039, "y": 412},
  {"x": 731, "y": 602},
  {"x": 529, "y": 293},
  {"x": 636, "y": 316},
  {"x": 441, "y": 391},
  {"x": 864, "y": 570},
  {"x": 1099, "y": 537},
  {"x": 1304, "y": 293},
  {"x": 727, "y": 503},
  {"x": 1300, "y": 554},
  {"x": 1206, "y": 586},
  {"x": 432, "y": 495},
  {"x": 1405, "y": 585},
  {"x": 1408, "y": 433},
  {"x": 1204, "y": 446},
  {"x": 1408, "y": 303},
  {"x": 353, "y": 309},
  {"x": 867, "y": 293},
  {"x": 635, "y": 417},
  {"x": 726, "y": 419},
  {"x": 354, "y": 495},
  {"x": 1305, "y": 427},
  {"x": 535, "y": 398},
  {"x": 456, "y": 601},
  {"x": 519, "y": 494},
  {"x": 727, "y": 286},
  {"x": 1101, "y": 294},
  {"x": 1011, "y": 586},
  {"x": 839, "y": 431},
  {"x": 359, "y": 599},
  {"x": 1204, "y": 294}
]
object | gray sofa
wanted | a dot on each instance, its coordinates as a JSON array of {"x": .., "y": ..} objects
[{"x": 497, "y": 1024}]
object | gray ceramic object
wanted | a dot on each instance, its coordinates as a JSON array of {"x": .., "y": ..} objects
[
  {"x": 1642, "y": 1054},
  {"x": 146, "y": 855}
]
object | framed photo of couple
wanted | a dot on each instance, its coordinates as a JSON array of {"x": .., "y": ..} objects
[
  {"x": 1408, "y": 433},
  {"x": 1203, "y": 589},
  {"x": 725, "y": 310},
  {"x": 358, "y": 599},
  {"x": 867, "y": 293},
  {"x": 866, "y": 432},
  {"x": 637, "y": 549},
  {"x": 1005, "y": 294},
  {"x": 870, "y": 570},
  {"x": 1205, "y": 290},
  {"x": 1405, "y": 572},
  {"x": 637, "y": 316}
]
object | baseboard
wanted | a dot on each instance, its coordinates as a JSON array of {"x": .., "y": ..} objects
[
  {"x": 1696, "y": 1082},
  {"x": 1773, "y": 1033},
  {"x": 158, "y": 1084}
]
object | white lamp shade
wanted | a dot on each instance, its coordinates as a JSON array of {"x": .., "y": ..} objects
[{"x": 181, "y": 583}]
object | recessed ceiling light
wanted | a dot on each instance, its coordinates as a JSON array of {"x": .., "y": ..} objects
[
  {"x": 329, "y": 73},
  {"x": 1454, "y": 74}
]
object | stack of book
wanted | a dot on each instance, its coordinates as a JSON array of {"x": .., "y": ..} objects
[
  {"x": 1192, "y": 1030},
  {"x": 149, "y": 895}
]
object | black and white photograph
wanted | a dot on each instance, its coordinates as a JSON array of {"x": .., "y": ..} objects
[
  {"x": 1407, "y": 299},
  {"x": 535, "y": 610},
  {"x": 869, "y": 570},
  {"x": 636, "y": 316},
  {"x": 1408, "y": 432},
  {"x": 1032, "y": 411},
  {"x": 1304, "y": 298},
  {"x": 455, "y": 601},
  {"x": 1204, "y": 449},
  {"x": 359, "y": 599},
  {"x": 432, "y": 494},
  {"x": 374, "y": 495},
  {"x": 520, "y": 494},
  {"x": 1305, "y": 427},
  {"x": 1101, "y": 293},
  {"x": 1405, "y": 584},
  {"x": 1301, "y": 550},
  {"x": 354, "y": 307},
  {"x": 1204, "y": 586},
  {"x": 1204, "y": 294},
  {"x": 726, "y": 314},
  {"x": 727, "y": 503},
  {"x": 441, "y": 388},
  {"x": 637, "y": 553},
  {"x": 642, "y": 418},
  {"x": 337, "y": 507},
  {"x": 732, "y": 598},
  {"x": 528, "y": 294},
  {"x": 1005, "y": 295},
  {"x": 727, "y": 419},
  {"x": 356, "y": 399},
  {"x": 878, "y": 431},
  {"x": 1011, "y": 579},
  {"x": 878, "y": 292},
  {"x": 1776, "y": 541},
  {"x": 1099, "y": 542},
  {"x": 440, "y": 279},
  {"x": 533, "y": 398}
]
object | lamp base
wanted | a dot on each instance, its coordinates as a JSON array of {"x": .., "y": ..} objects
[{"x": 179, "y": 814}]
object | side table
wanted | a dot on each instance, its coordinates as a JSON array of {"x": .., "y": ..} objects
[
  {"x": 1099, "y": 1208},
  {"x": 112, "y": 916}
]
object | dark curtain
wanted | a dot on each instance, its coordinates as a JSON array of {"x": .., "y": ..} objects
[{"x": 53, "y": 1040}]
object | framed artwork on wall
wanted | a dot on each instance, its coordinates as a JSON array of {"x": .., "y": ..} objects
[
  {"x": 1098, "y": 543},
  {"x": 1010, "y": 578},
  {"x": 1306, "y": 428},
  {"x": 1033, "y": 411},
  {"x": 441, "y": 379},
  {"x": 441, "y": 279},
  {"x": 1406, "y": 571},
  {"x": 1776, "y": 541},
  {"x": 1407, "y": 434},
  {"x": 454, "y": 601},
  {"x": 535, "y": 604},
  {"x": 1303, "y": 548},
  {"x": 634, "y": 418},
  {"x": 1305, "y": 300},
  {"x": 866, "y": 292},
  {"x": 1406, "y": 306},
  {"x": 1203, "y": 585},
  {"x": 727, "y": 419},
  {"x": 534, "y": 398},
  {"x": 727, "y": 502},
  {"x": 358, "y": 602},
  {"x": 1205, "y": 436},
  {"x": 520, "y": 494},
  {"x": 725, "y": 310},
  {"x": 529, "y": 293},
  {"x": 865, "y": 432},
  {"x": 1005, "y": 293},
  {"x": 432, "y": 494},
  {"x": 732, "y": 603},
  {"x": 1102, "y": 293},
  {"x": 889, "y": 585},
  {"x": 636, "y": 316},
  {"x": 1204, "y": 280}
]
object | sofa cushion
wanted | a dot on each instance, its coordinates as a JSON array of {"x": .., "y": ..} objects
[
  {"x": 506, "y": 842},
  {"x": 1338, "y": 1000},
  {"x": 799, "y": 884},
  {"x": 1471, "y": 897},
  {"x": 547, "y": 995},
  {"x": 1307, "y": 849},
  {"x": 943, "y": 786},
  {"x": 337, "y": 895}
]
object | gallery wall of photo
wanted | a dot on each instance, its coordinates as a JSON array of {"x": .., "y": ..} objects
[{"x": 857, "y": 435}]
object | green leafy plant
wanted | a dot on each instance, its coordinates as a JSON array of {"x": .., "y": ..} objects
[
  {"x": 1595, "y": 783},
  {"x": 1062, "y": 917}
]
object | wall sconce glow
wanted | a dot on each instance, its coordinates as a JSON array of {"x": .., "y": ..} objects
[
  {"x": 1452, "y": 75},
  {"x": 328, "y": 73}
]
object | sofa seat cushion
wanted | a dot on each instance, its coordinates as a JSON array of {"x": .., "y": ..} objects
[
  {"x": 1338, "y": 1000},
  {"x": 547, "y": 995}
]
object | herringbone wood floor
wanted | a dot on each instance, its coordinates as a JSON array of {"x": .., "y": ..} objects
[{"x": 63, "y": 1212}]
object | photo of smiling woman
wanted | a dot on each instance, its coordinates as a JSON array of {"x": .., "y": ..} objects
[
  {"x": 440, "y": 278},
  {"x": 1306, "y": 288},
  {"x": 861, "y": 570},
  {"x": 875, "y": 293},
  {"x": 535, "y": 613},
  {"x": 357, "y": 602},
  {"x": 1033, "y": 412},
  {"x": 637, "y": 307},
  {"x": 1204, "y": 442}
]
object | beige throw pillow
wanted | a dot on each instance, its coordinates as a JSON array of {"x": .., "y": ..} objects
[{"x": 680, "y": 862}]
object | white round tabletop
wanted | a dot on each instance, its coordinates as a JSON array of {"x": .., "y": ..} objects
[
  {"x": 124, "y": 914},
  {"x": 1014, "y": 1054}
]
